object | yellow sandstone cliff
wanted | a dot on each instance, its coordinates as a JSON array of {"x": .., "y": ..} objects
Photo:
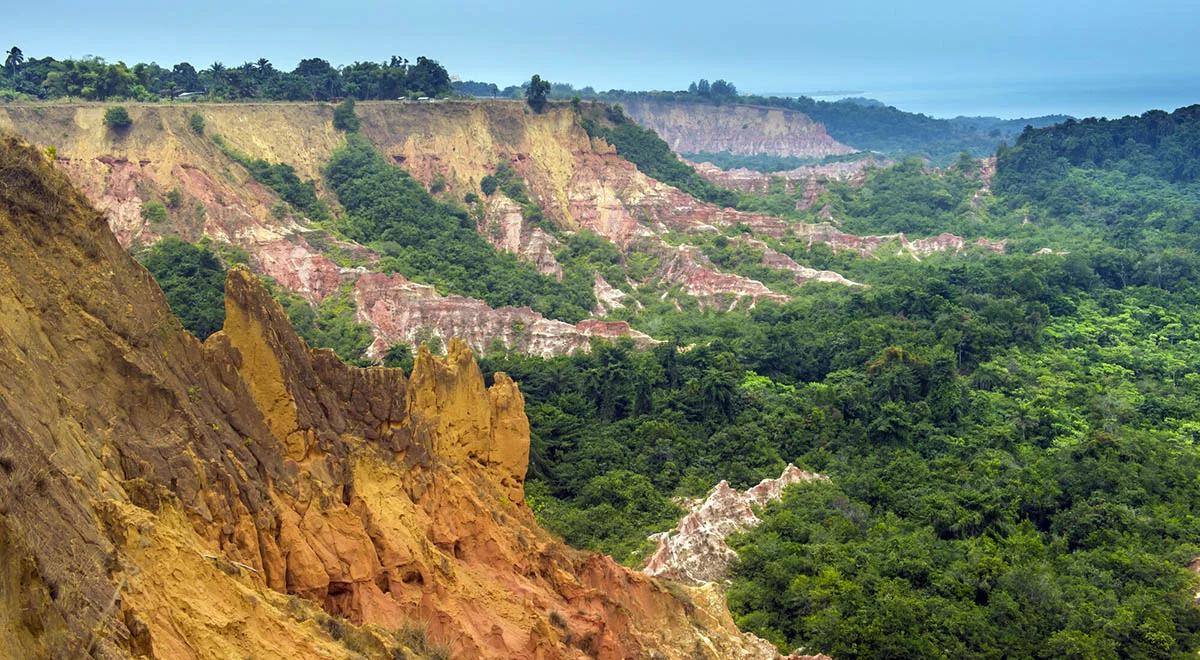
[{"x": 252, "y": 497}]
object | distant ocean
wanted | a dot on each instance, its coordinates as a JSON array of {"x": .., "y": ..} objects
[{"x": 1077, "y": 97}]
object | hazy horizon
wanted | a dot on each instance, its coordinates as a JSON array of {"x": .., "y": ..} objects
[{"x": 944, "y": 58}]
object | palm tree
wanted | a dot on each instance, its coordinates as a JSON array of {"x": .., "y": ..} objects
[
  {"x": 217, "y": 82},
  {"x": 718, "y": 390},
  {"x": 14, "y": 60}
]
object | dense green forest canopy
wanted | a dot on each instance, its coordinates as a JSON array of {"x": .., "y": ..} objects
[
  {"x": 909, "y": 197},
  {"x": 313, "y": 79},
  {"x": 1157, "y": 144},
  {"x": 1010, "y": 438},
  {"x": 1132, "y": 183}
]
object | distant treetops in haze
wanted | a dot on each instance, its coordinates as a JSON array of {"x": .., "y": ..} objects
[{"x": 313, "y": 79}]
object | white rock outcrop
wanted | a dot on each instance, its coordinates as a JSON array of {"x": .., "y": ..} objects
[{"x": 695, "y": 551}]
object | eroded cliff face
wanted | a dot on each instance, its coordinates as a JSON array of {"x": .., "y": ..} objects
[
  {"x": 168, "y": 498},
  {"x": 691, "y": 128},
  {"x": 505, "y": 227},
  {"x": 812, "y": 179},
  {"x": 221, "y": 201},
  {"x": 580, "y": 183},
  {"x": 407, "y": 312}
]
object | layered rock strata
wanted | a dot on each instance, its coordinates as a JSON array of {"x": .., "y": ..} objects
[
  {"x": 747, "y": 130},
  {"x": 811, "y": 178},
  {"x": 580, "y": 183},
  {"x": 410, "y": 313}
]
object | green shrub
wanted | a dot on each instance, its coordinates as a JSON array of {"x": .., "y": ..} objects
[
  {"x": 344, "y": 118},
  {"x": 117, "y": 118},
  {"x": 197, "y": 123},
  {"x": 154, "y": 212},
  {"x": 174, "y": 198},
  {"x": 438, "y": 184},
  {"x": 192, "y": 279},
  {"x": 488, "y": 185},
  {"x": 536, "y": 93},
  {"x": 399, "y": 356}
]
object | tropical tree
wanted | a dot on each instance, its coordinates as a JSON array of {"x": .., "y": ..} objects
[
  {"x": 428, "y": 77},
  {"x": 14, "y": 60},
  {"x": 185, "y": 77},
  {"x": 536, "y": 93},
  {"x": 216, "y": 75}
]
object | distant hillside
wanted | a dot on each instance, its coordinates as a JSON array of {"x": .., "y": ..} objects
[
  {"x": 1157, "y": 144},
  {"x": 860, "y": 123},
  {"x": 879, "y": 128},
  {"x": 1123, "y": 179},
  {"x": 742, "y": 130}
]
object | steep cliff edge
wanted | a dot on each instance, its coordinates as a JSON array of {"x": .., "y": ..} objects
[
  {"x": 578, "y": 182},
  {"x": 168, "y": 498},
  {"x": 746, "y": 130}
]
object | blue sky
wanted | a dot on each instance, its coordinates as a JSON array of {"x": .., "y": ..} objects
[{"x": 764, "y": 46}]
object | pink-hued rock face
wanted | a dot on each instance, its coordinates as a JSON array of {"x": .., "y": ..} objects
[
  {"x": 579, "y": 182},
  {"x": 608, "y": 297},
  {"x": 779, "y": 261},
  {"x": 403, "y": 311},
  {"x": 734, "y": 128},
  {"x": 504, "y": 227},
  {"x": 695, "y": 551},
  {"x": 812, "y": 177},
  {"x": 687, "y": 266},
  {"x": 297, "y": 267},
  {"x": 220, "y": 201}
]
